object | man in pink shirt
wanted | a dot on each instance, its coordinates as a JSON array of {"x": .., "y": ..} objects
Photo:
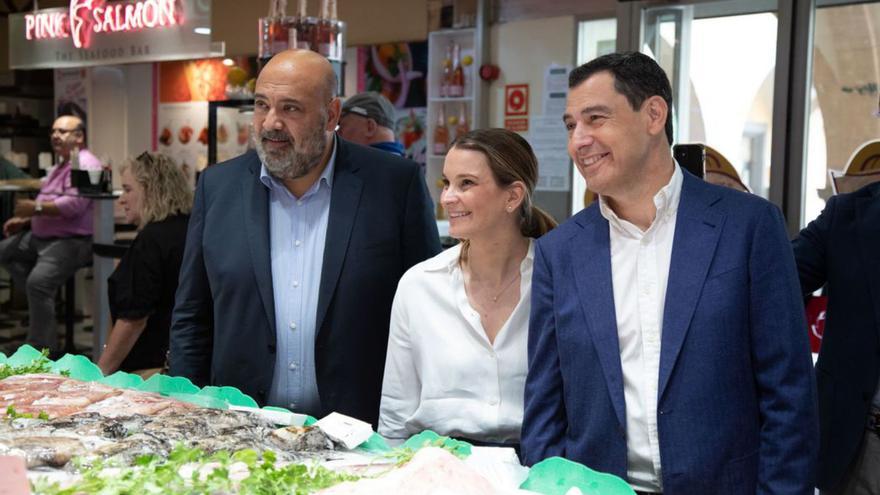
[{"x": 50, "y": 237}]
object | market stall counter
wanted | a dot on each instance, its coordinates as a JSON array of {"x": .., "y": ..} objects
[{"x": 71, "y": 429}]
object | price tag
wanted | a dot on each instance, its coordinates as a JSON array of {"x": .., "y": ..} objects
[{"x": 346, "y": 430}]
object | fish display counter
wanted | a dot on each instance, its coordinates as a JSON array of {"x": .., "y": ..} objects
[{"x": 73, "y": 430}]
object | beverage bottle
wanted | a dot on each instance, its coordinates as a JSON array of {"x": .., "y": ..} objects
[
  {"x": 441, "y": 133},
  {"x": 328, "y": 29},
  {"x": 278, "y": 34},
  {"x": 304, "y": 28},
  {"x": 456, "y": 83},
  {"x": 462, "y": 127},
  {"x": 446, "y": 75}
]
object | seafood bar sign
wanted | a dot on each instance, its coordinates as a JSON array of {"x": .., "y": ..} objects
[{"x": 98, "y": 32}]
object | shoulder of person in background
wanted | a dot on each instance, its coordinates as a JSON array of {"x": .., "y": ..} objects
[
  {"x": 371, "y": 156},
  {"x": 9, "y": 170},
  {"x": 88, "y": 160}
]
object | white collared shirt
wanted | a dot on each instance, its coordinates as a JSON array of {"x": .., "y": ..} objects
[
  {"x": 442, "y": 373},
  {"x": 640, "y": 272}
]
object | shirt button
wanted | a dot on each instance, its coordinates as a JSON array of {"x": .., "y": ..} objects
[
  {"x": 293, "y": 366},
  {"x": 297, "y": 243},
  {"x": 292, "y": 326},
  {"x": 295, "y": 283},
  {"x": 292, "y": 406},
  {"x": 299, "y": 202},
  {"x": 493, "y": 402}
]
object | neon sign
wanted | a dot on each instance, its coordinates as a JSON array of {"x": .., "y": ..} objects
[{"x": 88, "y": 17}]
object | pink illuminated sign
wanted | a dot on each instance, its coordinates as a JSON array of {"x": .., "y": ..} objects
[{"x": 88, "y": 17}]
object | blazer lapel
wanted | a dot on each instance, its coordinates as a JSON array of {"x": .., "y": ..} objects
[
  {"x": 697, "y": 231},
  {"x": 345, "y": 197},
  {"x": 868, "y": 216},
  {"x": 256, "y": 215},
  {"x": 592, "y": 255}
]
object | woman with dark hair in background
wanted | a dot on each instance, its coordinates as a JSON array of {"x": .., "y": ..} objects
[
  {"x": 456, "y": 360},
  {"x": 157, "y": 198}
]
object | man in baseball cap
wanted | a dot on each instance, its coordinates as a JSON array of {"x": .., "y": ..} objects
[{"x": 368, "y": 119}]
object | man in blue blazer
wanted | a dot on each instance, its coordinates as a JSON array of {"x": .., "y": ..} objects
[
  {"x": 841, "y": 248},
  {"x": 294, "y": 252},
  {"x": 667, "y": 342}
]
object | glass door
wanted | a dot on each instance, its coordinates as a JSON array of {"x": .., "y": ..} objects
[
  {"x": 843, "y": 113},
  {"x": 721, "y": 60}
]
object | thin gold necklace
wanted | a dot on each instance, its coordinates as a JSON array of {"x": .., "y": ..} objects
[{"x": 506, "y": 286}]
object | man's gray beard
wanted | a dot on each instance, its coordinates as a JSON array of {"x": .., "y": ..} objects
[{"x": 290, "y": 163}]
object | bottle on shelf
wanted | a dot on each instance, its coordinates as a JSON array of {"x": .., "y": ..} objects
[
  {"x": 456, "y": 82},
  {"x": 292, "y": 24},
  {"x": 304, "y": 28},
  {"x": 441, "y": 133},
  {"x": 446, "y": 75},
  {"x": 462, "y": 127},
  {"x": 278, "y": 32},
  {"x": 328, "y": 30}
]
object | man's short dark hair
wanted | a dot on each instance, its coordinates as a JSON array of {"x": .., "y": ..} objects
[{"x": 636, "y": 76}]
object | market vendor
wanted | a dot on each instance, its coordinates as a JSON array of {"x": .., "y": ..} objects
[
  {"x": 294, "y": 252},
  {"x": 459, "y": 324},
  {"x": 50, "y": 237},
  {"x": 157, "y": 199}
]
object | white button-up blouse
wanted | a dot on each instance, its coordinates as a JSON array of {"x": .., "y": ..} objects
[{"x": 442, "y": 373}]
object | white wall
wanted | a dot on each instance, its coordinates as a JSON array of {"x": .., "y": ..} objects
[
  {"x": 120, "y": 112},
  {"x": 523, "y": 50}
]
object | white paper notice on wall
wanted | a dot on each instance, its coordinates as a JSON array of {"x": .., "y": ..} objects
[
  {"x": 549, "y": 141},
  {"x": 555, "y": 89}
]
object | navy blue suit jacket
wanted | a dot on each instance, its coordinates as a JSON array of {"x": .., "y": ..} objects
[
  {"x": 223, "y": 328},
  {"x": 736, "y": 399},
  {"x": 841, "y": 248}
]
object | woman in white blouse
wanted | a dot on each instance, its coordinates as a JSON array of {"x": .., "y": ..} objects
[{"x": 457, "y": 359}]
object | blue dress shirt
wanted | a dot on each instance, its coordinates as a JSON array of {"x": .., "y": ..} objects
[{"x": 297, "y": 231}]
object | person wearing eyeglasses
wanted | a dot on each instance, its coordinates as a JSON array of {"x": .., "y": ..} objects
[
  {"x": 157, "y": 199},
  {"x": 50, "y": 237}
]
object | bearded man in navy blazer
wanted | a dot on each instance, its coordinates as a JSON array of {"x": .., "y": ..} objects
[
  {"x": 667, "y": 342},
  {"x": 294, "y": 252}
]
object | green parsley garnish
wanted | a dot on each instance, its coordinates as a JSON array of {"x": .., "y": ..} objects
[
  {"x": 38, "y": 365},
  {"x": 188, "y": 471}
]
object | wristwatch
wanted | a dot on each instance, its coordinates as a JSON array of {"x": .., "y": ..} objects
[{"x": 38, "y": 208}]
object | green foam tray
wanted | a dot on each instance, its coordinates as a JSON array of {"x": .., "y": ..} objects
[
  {"x": 81, "y": 368},
  {"x": 24, "y": 355},
  {"x": 428, "y": 437},
  {"x": 556, "y": 476},
  {"x": 231, "y": 395},
  {"x": 553, "y": 476}
]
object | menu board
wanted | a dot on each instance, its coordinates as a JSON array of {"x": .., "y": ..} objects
[{"x": 183, "y": 135}]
